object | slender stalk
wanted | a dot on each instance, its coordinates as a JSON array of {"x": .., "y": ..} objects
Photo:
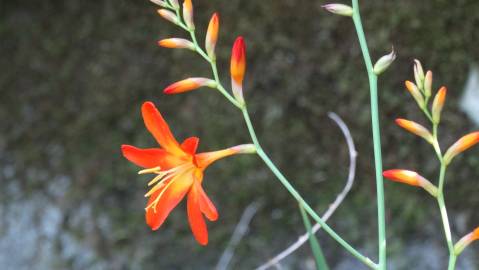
[
  {"x": 268, "y": 161},
  {"x": 321, "y": 263},
  {"x": 298, "y": 197},
  {"x": 373, "y": 86}
]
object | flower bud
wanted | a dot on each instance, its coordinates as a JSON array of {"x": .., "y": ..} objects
[
  {"x": 238, "y": 68},
  {"x": 461, "y": 145},
  {"x": 466, "y": 241},
  {"x": 168, "y": 15},
  {"x": 384, "y": 62},
  {"x": 189, "y": 85},
  {"x": 212, "y": 35},
  {"x": 176, "y": 43},
  {"x": 428, "y": 84},
  {"x": 438, "y": 104},
  {"x": 175, "y": 4},
  {"x": 411, "y": 178},
  {"x": 415, "y": 128},
  {"x": 418, "y": 74},
  {"x": 161, "y": 3},
  {"x": 339, "y": 9},
  {"x": 188, "y": 14},
  {"x": 416, "y": 94}
]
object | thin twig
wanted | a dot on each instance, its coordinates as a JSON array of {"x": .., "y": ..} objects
[
  {"x": 332, "y": 208},
  {"x": 240, "y": 230}
]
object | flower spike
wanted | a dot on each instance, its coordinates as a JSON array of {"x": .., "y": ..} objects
[
  {"x": 438, "y": 104},
  {"x": 168, "y": 15},
  {"x": 212, "y": 35},
  {"x": 411, "y": 178},
  {"x": 176, "y": 43},
  {"x": 466, "y": 241},
  {"x": 238, "y": 68},
  {"x": 415, "y": 93},
  {"x": 461, "y": 145},
  {"x": 189, "y": 85},
  {"x": 339, "y": 9},
  {"x": 188, "y": 14},
  {"x": 178, "y": 172},
  {"x": 415, "y": 128}
]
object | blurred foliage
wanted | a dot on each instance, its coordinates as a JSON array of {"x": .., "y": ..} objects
[{"x": 74, "y": 73}]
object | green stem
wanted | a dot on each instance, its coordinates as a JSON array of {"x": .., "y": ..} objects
[
  {"x": 445, "y": 219},
  {"x": 298, "y": 197},
  {"x": 373, "y": 85},
  {"x": 321, "y": 263}
]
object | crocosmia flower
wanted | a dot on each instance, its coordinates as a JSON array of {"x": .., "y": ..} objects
[{"x": 178, "y": 171}]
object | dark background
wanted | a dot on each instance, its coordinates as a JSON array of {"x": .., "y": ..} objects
[{"x": 73, "y": 75}]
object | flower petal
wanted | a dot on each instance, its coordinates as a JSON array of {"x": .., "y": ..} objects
[
  {"x": 190, "y": 145},
  {"x": 171, "y": 195},
  {"x": 151, "y": 157},
  {"x": 206, "y": 206},
  {"x": 157, "y": 126},
  {"x": 195, "y": 217}
]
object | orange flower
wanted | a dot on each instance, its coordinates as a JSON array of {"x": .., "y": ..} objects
[
  {"x": 189, "y": 85},
  {"x": 179, "y": 172},
  {"x": 466, "y": 241},
  {"x": 176, "y": 43},
  {"x": 415, "y": 128},
  {"x": 238, "y": 68},
  {"x": 212, "y": 35},
  {"x": 438, "y": 104},
  {"x": 461, "y": 145},
  {"x": 411, "y": 178}
]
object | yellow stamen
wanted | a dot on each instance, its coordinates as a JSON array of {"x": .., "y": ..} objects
[{"x": 150, "y": 170}]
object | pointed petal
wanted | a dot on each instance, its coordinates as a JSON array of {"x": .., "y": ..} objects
[
  {"x": 190, "y": 145},
  {"x": 206, "y": 206},
  {"x": 157, "y": 126},
  {"x": 195, "y": 217},
  {"x": 171, "y": 195},
  {"x": 151, "y": 157}
]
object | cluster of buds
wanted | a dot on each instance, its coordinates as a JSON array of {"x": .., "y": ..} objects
[
  {"x": 171, "y": 12},
  {"x": 421, "y": 91}
]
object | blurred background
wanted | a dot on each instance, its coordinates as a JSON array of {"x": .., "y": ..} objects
[{"x": 73, "y": 75}]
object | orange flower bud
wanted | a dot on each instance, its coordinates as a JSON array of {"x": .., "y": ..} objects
[
  {"x": 416, "y": 94},
  {"x": 415, "y": 128},
  {"x": 438, "y": 104},
  {"x": 212, "y": 35},
  {"x": 428, "y": 84},
  {"x": 238, "y": 68},
  {"x": 461, "y": 145},
  {"x": 168, "y": 15},
  {"x": 339, "y": 9},
  {"x": 466, "y": 241},
  {"x": 418, "y": 74},
  {"x": 188, "y": 14},
  {"x": 176, "y": 43},
  {"x": 189, "y": 85},
  {"x": 411, "y": 178}
]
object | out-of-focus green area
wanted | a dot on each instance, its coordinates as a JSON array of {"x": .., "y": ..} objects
[{"x": 73, "y": 77}]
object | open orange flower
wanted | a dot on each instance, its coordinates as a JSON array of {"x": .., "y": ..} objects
[{"x": 179, "y": 172}]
